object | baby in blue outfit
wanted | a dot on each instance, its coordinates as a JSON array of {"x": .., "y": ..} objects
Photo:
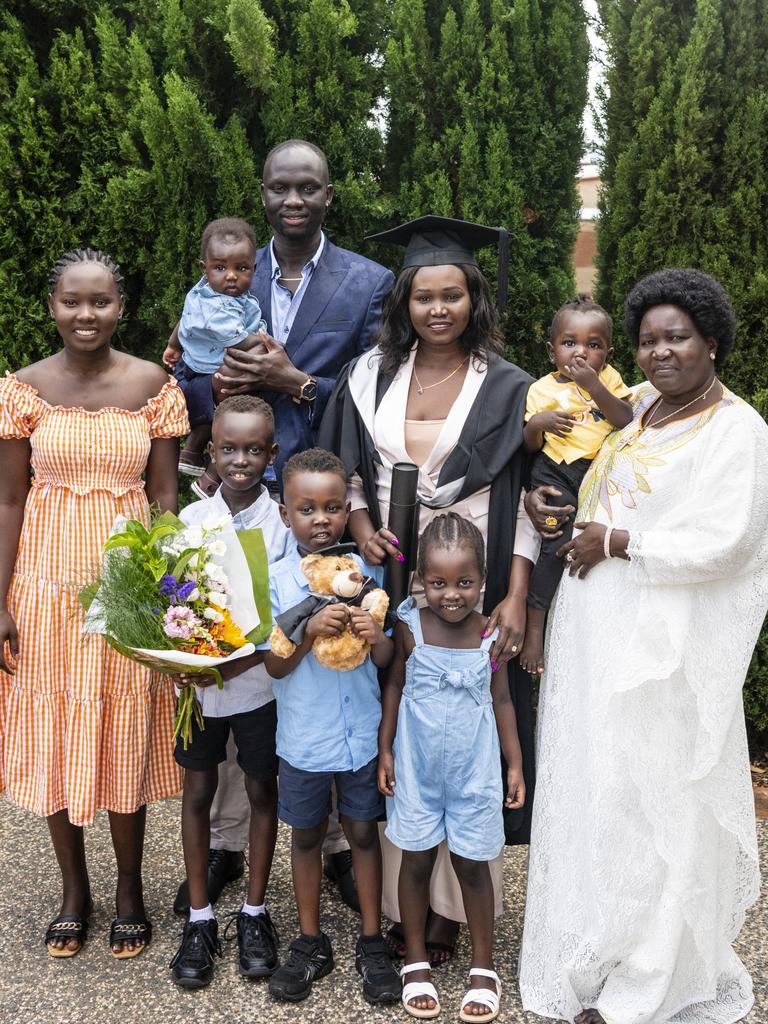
[
  {"x": 444, "y": 711},
  {"x": 219, "y": 313}
]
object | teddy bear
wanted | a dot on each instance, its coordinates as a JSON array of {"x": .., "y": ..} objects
[{"x": 332, "y": 578}]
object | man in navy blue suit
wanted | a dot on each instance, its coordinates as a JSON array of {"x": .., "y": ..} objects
[{"x": 322, "y": 303}]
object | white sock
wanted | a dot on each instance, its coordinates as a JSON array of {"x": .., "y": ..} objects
[
  {"x": 206, "y": 914},
  {"x": 254, "y": 911}
]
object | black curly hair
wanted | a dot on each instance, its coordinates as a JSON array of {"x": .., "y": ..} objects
[
  {"x": 581, "y": 303},
  {"x": 395, "y": 334},
  {"x": 228, "y": 229},
  {"x": 314, "y": 460},
  {"x": 246, "y": 404},
  {"x": 701, "y": 296},
  {"x": 88, "y": 255},
  {"x": 450, "y": 531}
]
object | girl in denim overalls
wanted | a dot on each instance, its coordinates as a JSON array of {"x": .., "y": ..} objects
[{"x": 439, "y": 757}]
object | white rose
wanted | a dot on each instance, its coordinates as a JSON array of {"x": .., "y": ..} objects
[
  {"x": 217, "y": 598},
  {"x": 213, "y": 614},
  {"x": 213, "y": 571},
  {"x": 193, "y": 536},
  {"x": 214, "y": 523},
  {"x": 215, "y": 547}
]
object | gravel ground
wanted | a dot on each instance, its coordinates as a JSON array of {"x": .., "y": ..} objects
[{"x": 92, "y": 988}]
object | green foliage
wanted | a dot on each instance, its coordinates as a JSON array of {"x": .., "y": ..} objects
[
  {"x": 685, "y": 131},
  {"x": 485, "y": 100},
  {"x": 684, "y": 122},
  {"x": 128, "y": 126}
]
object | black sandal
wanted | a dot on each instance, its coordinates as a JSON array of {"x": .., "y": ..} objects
[
  {"x": 66, "y": 926},
  {"x": 130, "y": 929}
]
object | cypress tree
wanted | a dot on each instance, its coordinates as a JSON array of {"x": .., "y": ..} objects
[
  {"x": 484, "y": 123},
  {"x": 685, "y": 135},
  {"x": 129, "y": 126},
  {"x": 686, "y": 142}
]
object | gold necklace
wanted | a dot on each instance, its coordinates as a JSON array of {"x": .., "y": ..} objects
[
  {"x": 650, "y": 421},
  {"x": 421, "y": 388},
  {"x": 641, "y": 427}
]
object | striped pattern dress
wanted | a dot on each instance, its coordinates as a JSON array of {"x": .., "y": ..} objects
[{"x": 81, "y": 727}]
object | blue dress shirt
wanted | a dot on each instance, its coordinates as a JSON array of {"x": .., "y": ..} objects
[
  {"x": 326, "y": 721},
  {"x": 211, "y": 322}
]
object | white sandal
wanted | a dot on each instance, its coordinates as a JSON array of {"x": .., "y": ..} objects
[
  {"x": 414, "y": 989},
  {"x": 485, "y": 996}
]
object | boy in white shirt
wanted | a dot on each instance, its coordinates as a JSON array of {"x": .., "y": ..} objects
[{"x": 241, "y": 449}]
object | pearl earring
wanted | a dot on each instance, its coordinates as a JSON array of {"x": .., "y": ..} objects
[{"x": 711, "y": 355}]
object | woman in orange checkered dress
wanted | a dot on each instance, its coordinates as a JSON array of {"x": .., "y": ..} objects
[{"x": 82, "y": 728}]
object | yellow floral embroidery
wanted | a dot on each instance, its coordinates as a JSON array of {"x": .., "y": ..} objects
[{"x": 621, "y": 469}]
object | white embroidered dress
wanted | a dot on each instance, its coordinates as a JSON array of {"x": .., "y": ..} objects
[{"x": 644, "y": 852}]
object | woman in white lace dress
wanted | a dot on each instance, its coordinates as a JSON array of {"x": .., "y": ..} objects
[{"x": 644, "y": 852}]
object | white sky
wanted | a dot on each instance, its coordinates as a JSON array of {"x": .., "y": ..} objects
[{"x": 590, "y": 140}]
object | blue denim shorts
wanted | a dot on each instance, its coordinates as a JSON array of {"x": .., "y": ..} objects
[{"x": 304, "y": 798}]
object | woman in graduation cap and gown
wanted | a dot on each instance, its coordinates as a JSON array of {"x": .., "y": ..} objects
[{"x": 436, "y": 391}]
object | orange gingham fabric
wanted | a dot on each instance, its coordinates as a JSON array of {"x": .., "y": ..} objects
[{"x": 80, "y": 726}]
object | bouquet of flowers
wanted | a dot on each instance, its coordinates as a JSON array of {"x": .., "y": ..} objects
[{"x": 180, "y": 598}]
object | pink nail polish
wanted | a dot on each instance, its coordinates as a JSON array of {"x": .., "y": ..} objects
[
  {"x": 400, "y": 558},
  {"x": 396, "y": 542},
  {"x": 495, "y": 666}
]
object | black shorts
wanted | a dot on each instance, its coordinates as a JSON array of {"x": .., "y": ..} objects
[{"x": 254, "y": 733}]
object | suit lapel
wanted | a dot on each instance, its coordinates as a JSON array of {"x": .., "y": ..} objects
[
  {"x": 329, "y": 273},
  {"x": 261, "y": 286}
]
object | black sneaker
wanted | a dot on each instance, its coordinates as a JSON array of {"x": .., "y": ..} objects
[
  {"x": 381, "y": 982},
  {"x": 192, "y": 967},
  {"x": 309, "y": 957},
  {"x": 257, "y": 943},
  {"x": 224, "y": 866},
  {"x": 338, "y": 868}
]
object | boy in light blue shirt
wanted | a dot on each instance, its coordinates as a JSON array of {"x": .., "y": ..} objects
[
  {"x": 219, "y": 313},
  {"x": 327, "y": 732},
  {"x": 241, "y": 449}
]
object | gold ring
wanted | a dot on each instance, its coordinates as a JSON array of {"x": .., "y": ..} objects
[{"x": 550, "y": 521}]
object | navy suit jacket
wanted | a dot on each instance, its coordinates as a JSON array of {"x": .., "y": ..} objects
[{"x": 338, "y": 315}]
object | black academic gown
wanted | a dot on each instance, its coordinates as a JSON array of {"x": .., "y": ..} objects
[{"x": 489, "y": 452}]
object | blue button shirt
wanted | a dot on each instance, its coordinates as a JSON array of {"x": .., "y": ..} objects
[
  {"x": 211, "y": 322},
  {"x": 285, "y": 304},
  {"x": 326, "y": 721}
]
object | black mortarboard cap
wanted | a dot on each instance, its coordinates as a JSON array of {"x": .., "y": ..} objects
[{"x": 435, "y": 241}]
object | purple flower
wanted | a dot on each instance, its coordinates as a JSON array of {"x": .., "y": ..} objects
[
  {"x": 184, "y": 590},
  {"x": 167, "y": 585}
]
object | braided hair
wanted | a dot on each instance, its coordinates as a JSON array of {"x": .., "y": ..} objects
[
  {"x": 582, "y": 303},
  {"x": 448, "y": 531},
  {"x": 87, "y": 255}
]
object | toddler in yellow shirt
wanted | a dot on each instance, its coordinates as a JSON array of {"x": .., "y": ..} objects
[{"x": 568, "y": 415}]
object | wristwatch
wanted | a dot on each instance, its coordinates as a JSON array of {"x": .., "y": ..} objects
[{"x": 308, "y": 392}]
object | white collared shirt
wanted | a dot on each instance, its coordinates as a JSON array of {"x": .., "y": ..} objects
[
  {"x": 252, "y": 689},
  {"x": 285, "y": 304}
]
